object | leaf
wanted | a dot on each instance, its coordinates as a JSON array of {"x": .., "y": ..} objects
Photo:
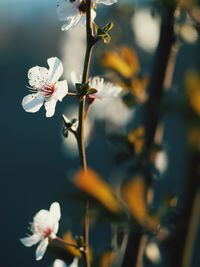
[
  {"x": 107, "y": 259},
  {"x": 123, "y": 60},
  {"x": 72, "y": 250},
  {"x": 134, "y": 195},
  {"x": 92, "y": 184}
]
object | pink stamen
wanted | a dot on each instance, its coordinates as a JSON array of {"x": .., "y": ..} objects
[
  {"x": 48, "y": 232},
  {"x": 48, "y": 89}
]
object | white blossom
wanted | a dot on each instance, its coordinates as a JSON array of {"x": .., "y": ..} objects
[
  {"x": 104, "y": 89},
  {"x": 45, "y": 87},
  {"x": 44, "y": 226},
  {"x": 73, "y": 12},
  {"x": 60, "y": 263},
  {"x": 146, "y": 29}
]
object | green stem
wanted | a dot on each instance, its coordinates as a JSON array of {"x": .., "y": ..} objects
[{"x": 80, "y": 136}]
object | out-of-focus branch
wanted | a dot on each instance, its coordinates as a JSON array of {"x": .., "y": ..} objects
[{"x": 135, "y": 249}]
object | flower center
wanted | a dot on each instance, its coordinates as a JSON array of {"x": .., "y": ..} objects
[
  {"x": 82, "y": 7},
  {"x": 48, "y": 89},
  {"x": 47, "y": 232}
]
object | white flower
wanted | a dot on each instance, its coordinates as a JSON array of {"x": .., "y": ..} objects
[
  {"x": 44, "y": 226},
  {"x": 73, "y": 12},
  {"x": 60, "y": 263},
  {"x": 104, "y": 89},
  {"x": 152, "y": 252},
  {"x": 161, "y": 161},
  {"x": 45, "y": 87},
  {"x": 146, "y": 29}
]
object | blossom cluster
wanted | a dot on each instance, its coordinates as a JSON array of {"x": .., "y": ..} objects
[{"x": 46, "y": 88}]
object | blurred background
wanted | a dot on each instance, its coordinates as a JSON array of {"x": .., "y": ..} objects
[{"x": 38, "y": 163}]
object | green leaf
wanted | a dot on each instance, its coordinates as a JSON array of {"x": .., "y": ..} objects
[
  {"x": 108, "y": 27},
  {"x": 91, "y": 91}
]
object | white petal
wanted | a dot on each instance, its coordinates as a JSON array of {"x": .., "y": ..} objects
[
  {"x": 74, "y": 78},
  {"x": 37, "y": 76},
  {"x": 74, "y": 263},
  {"x": 55, "y": 211},
  {"x": 59, "y": 263},
  {"x": 41, "y": 249},
  {"x": 61, "y": 89},
  {"x": 55, "y": 69},
  {"x": 29, "y": 241},
  {"x": 50, "y": 107},
  {"x": 71, "y": 22},
  {"x": 67, "y": 10},
  {"x": 93, "y": 14},
  {"x": 105, "y": 2},
  {"x": 33, "y": 102}
]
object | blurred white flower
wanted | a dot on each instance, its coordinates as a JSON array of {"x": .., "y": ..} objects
[
  {"x": 152, "y": 252},
  {"x": 188, "y": 33},
  {"x": 111, "y": 108},
  {"x": 72, "y": 55},
  {"x": 70, "y": 143},
  {"x": 114, "y": 111},
  {"x": 161, "y": 161},
  {"x": 45, "y": 87},
  {"x": 44, "y": 226},
  {"x": 104, "y": 89},
  {"x": 73, "y": 12},
  {"x": 146, "y": 29},
  {"x": 60, "y": 263}
]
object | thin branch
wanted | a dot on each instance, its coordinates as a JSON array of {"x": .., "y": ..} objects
[{"x": 80, "y": 135}]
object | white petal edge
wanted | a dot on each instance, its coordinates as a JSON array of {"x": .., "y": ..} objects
[
  {"x": 59, "y": 263},
  {"x": 71, "y": 22},
  {"x": 105, "y": 2},
  {"x": 41, "y": 249},
  {"x": 32, "y": 102},
  {"x": 74, "y": 263},
  {"x": 55, "y": 211},
  {"x": 50, "y": 107},
  {"x": 66, "y": 10},
  {"x": 29, "y": 241},
  {"x": 74, "y": 78},
  {"x": 55, "y": 69},
  {"x": 38, "y": 76},
  {"x": 61, "y": 89}
]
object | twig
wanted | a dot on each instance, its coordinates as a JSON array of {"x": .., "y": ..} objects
[
  {"x": 151, "y": 113},
  {"x": 80, "y": 136}
]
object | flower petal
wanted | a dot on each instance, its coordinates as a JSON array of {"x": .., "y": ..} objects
[
  {"x": 55, "y": 69},
  {"x": 105, "y": 2},
  {"x": 74, "y": 78},
  {"x": 61, "y": 90},
  {"x": 72, "y": 22},
  {"x": 29, "y": 241},
  {"x": 75, "y": 262},
  {"x": 59, "y": 263},
  {"x": 41, "y": 249},
  {"x": 33, "y": 102},
  {"x": 50, "y": 107},
  {"x": 37, "y": 76},
  {"x": 55, "y": 211},
  {"x": 67, "y": 10}
]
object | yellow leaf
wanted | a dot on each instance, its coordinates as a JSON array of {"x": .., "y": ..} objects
[
  {"x": 72, "y": 250},
  {"x": 192, "y": 82},
  {"x": 138, "y": 88},
  {"x": 107, "y": 259},
  {"x": 136, "y": 137},
  {"x": 123, "y": 60},
  {"x": 92, "y": 184},
  {"x": 134, "y": 195}
]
